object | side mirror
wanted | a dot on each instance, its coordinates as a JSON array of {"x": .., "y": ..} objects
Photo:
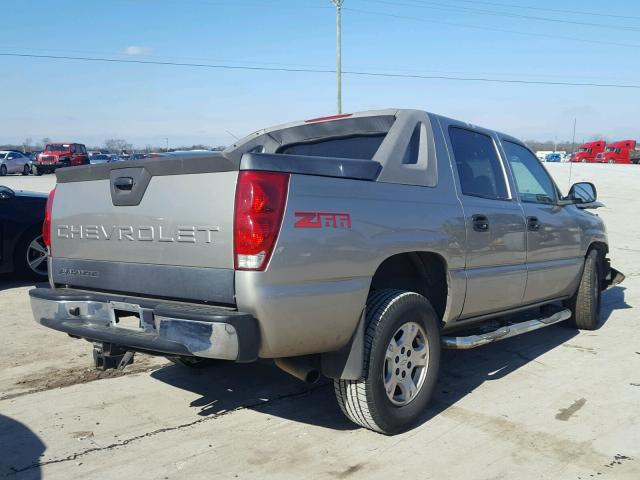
[
  {"x": 6, "y": 193},
  {"x": 583, "y": 192}
]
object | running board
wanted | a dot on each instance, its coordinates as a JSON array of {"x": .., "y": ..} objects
[{"x": 473, "y": 341}]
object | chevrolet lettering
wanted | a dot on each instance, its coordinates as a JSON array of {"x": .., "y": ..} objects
[
  {"x": 147, "y": 233},
  {"x": 353, "y": 247}
]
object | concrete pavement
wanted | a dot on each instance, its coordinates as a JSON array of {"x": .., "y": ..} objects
[{"x": 553, "y": 404}]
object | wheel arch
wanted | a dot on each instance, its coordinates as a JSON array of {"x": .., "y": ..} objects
[{"x": 423, "y": 272}]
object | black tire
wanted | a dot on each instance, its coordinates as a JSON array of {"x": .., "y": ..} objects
[
  {"x": 193, "y": 362},
  {"x": 38, "y": 171},
  {"x": 365, "y": 401},
  {"x": 3, "y": 170},
  {"x": 585, "y": 303},
  {"x": 26, "y": 170},
  {"x": 21, "y": 260}
]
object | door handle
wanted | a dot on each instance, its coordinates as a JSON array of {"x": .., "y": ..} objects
[
  {"x": 123, "y": 183},
  {"x": 533, "y": 224},
  {"x": 480, "y": 223}
]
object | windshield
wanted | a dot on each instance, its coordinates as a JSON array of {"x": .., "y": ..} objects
[{"x": 58, "y": 148}]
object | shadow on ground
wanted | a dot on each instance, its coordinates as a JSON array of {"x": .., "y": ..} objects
[
  {"x": 613, "y": 299},
  {"x": 263, "y": 387},
  {"x": 8, "y": 281},
  {"x": 20, "y": 449}
]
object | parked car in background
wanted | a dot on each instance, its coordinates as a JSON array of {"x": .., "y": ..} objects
[
  {"x": 57, "y": 155},
  {"x": 12, "y": 161},
  {"x": 588, "y": 151},
  {"x": 623, "y": 151},
  {"x": 22, "y": 248},
  {"x": 553, "y": 157},
  {"x": 98, "y": 158}
]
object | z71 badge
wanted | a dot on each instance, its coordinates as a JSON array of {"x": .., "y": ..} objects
[{"x": 322, "y": 219}]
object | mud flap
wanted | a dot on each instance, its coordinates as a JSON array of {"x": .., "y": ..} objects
[{"x": 346, "y": 363}]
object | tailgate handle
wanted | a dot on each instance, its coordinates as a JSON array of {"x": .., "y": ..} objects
[{"x": 123, "y": 183}]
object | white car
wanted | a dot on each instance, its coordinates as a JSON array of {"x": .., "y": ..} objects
[{"x": 12, "y": 161}]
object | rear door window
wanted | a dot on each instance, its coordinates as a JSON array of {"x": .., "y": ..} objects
[
  {"x": 478, "y": 165},
  {"x": 361, "y": 147}
]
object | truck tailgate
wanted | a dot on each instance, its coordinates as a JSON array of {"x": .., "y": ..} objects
[{"x": 128, "y": 229}]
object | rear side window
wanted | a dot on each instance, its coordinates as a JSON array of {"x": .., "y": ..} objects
[
  {"x": 478, "y": 165},
  {"x": 361, "y": 147}
]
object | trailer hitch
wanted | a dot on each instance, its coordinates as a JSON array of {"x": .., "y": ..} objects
[{"x": 109, "y": 356}]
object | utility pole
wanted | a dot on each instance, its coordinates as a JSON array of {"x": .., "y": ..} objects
[
  {"x": 573, "y": 141},
  {"x": 167, "y": 144},
  {"x": 338, "y": 4}
]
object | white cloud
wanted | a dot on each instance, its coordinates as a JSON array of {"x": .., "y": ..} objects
[{"x": 136, "y": 50}]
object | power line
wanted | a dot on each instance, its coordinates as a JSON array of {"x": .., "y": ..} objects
[
  {"x": 446, "y": 7},
  {"x": 492, "y": 29},
  {"x": 99, "y": 53},
  {"x": 310, "y": 70},
  {"x": 546, "y": 9}
]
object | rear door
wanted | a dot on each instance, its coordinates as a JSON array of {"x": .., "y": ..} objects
[
  {"x": 11, "y": 162},
  {"x": 554, "y": 258},
  {"x": 496, "y": 254}
]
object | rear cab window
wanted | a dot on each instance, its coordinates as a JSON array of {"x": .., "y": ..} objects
[{"x": 362, "y": 147}]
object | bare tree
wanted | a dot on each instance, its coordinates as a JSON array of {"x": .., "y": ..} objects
[
  {"x": 117, "y": 145},
  {"x": 26, "y": 144},
  {"x": 45, "y": 141}
]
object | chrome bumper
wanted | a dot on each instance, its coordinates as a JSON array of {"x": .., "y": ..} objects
[{"x": 169, "y": 328}]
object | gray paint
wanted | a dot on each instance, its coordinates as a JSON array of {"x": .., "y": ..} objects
[
  {"x": 311, "y": 297},
  {"x": 189, "y": 283},
  {"x": 175, "y": 211},
  {"x": 202, "y": 162},
  {"x": 320, "y": 166}
]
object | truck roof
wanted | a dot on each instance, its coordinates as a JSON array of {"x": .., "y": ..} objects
[{"x": 623, "y": 144}]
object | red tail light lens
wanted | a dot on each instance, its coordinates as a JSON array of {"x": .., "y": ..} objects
[
  {"x": 260, "y": 201},
  {"x": 46, "y": 225}
]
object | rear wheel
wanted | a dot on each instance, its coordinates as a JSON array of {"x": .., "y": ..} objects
[
  {"x": 26, "y": 170},
  {"x": 585, "y": 303},
  {"x": 611, "y": 160},
  {"x": 401, "y": 362}
]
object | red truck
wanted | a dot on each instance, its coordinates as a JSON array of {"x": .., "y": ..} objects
[
  {"x": 58, "y": 155},
  {"x": 588, "y": 151},
  {"x": 623, "y": 151}
]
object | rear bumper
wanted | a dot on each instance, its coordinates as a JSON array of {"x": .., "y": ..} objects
[{"x": 168, "y": 328}]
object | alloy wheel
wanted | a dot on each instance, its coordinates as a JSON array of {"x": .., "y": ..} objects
[
  {"x": 405, "y": 363},
  {"x": 37, "y": 256}
]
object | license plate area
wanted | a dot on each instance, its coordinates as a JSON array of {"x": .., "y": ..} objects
[{"x": 131, "y": 316}]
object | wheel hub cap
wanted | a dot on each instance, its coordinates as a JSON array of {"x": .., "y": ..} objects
[
  {"x": 37, "y": 256},
  {"x": 405, "y": 363}
]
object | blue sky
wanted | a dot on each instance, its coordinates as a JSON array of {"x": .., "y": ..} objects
[{"x": 89, "y": 102}]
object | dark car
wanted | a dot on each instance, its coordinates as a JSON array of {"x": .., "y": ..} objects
[{"x": 22, "y": 249}]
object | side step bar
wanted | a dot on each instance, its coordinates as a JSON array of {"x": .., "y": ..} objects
[{"x": 473, "y": 341}]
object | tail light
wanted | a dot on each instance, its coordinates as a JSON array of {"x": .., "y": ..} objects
[
  {"x": 260, "y": 201},
  {"x": 46, "y": 225}
]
